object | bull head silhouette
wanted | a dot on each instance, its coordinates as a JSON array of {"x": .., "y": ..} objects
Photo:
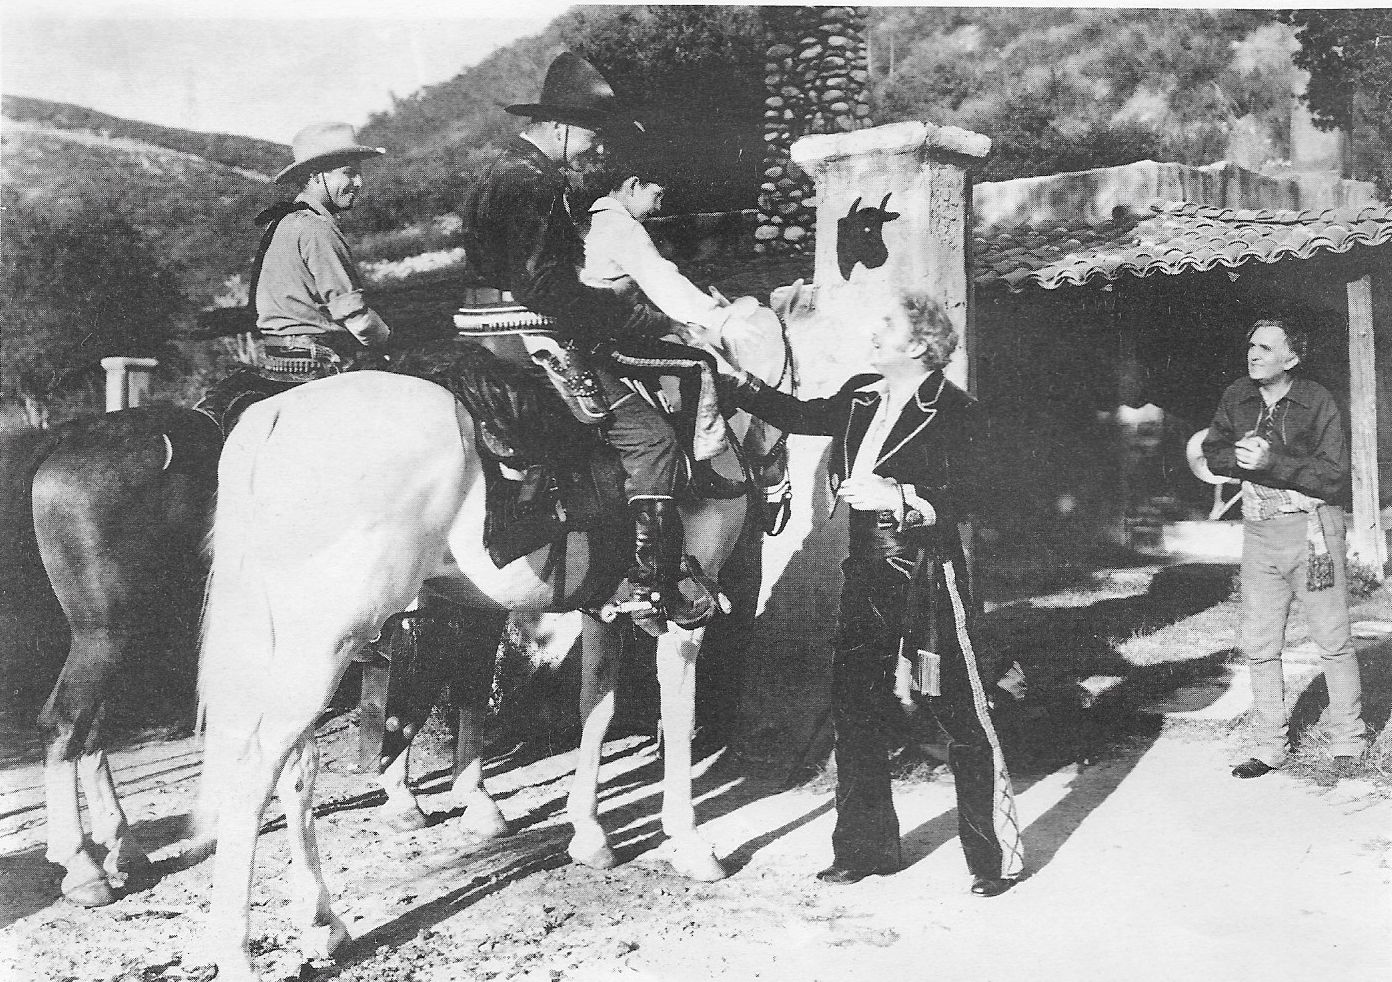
[{"x": 860, "y": 237}]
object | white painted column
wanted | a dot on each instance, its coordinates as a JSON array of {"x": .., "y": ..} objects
[{"x": 127, "y": 381}]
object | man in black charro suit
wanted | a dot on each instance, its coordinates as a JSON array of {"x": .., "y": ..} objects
[{"x": 906, "y": 442}]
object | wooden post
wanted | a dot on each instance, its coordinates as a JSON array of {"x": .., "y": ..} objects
[
  {"x": 1367, "y": 540},
  {"x": 127, "y": 381}
]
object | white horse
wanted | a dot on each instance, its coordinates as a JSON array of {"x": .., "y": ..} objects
[{"x": 339, "y": 503}]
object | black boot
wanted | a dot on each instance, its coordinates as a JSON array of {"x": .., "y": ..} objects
[{"x": 657, "y": 554}]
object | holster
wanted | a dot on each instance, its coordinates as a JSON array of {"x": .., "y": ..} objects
[{"x": 578, "y": 380}]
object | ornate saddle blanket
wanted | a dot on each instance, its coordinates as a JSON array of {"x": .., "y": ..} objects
[{"x": 545, "y": 474}]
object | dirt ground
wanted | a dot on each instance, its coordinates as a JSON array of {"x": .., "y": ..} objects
[{"x": 1145, "y": 861}]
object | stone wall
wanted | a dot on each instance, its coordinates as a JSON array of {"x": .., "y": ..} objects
[{"x": 816, "y": 74}]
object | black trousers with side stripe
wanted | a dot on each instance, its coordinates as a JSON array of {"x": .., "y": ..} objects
[{"x": 870, "y": 624}]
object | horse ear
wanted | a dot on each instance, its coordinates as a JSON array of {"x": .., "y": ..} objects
[{"x": 852, "y": 210}]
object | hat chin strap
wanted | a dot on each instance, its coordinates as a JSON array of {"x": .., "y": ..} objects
[{"x": 330, "y": 204}]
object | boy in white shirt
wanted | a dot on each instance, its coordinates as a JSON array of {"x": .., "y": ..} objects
[{"x": 620, "y": 256}]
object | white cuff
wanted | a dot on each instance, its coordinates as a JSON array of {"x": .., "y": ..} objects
[{"x": 914, "y": 503}]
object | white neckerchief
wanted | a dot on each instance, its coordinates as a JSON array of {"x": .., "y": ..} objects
[{"x": 885, "y": 416}]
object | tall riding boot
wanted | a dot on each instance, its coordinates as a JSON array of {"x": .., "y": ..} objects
[{"x": 657, "y": 555}]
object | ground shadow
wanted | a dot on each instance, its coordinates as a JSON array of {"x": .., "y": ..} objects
[
  {"x": 1375, "y": 669},
  {"x": 32, "y": 883}
]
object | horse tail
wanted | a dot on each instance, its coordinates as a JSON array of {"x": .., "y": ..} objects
[{"x": 237, "y": 629}]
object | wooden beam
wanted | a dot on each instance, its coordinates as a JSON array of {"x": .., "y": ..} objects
[{"x": 1367, "y": 540}]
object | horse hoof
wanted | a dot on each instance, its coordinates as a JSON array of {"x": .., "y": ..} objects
[
  {"x": 85, "y": 882},
  {"x": 486, "y": 822},
  {"x": 322, "y": 940},
  {"x": 601, "y": 857},
  {"x": 695, "y": 862},
  {"x": 94, "y": 892},
  {"x": 127, "y": 868},
  {"x": 405, "y": 820}
]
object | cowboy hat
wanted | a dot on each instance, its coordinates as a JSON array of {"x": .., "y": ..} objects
[
  {"x": 324, "y": 146},
  {"x": 1198, "y": 464},
  {"x": 574, "y": 92}
]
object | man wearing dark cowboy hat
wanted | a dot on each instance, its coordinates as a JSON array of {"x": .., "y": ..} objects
[
  {"x": 522, "y": 240},
  {"x": 307, "y": 291}
]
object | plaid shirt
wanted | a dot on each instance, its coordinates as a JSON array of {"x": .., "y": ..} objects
[{"x": 1260, "y": 502}]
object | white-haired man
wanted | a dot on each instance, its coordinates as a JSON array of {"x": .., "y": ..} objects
[{"x": 905, "y": 444}]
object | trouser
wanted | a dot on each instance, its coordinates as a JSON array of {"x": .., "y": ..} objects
[
  {"x": 642, "y": 437},
  {"x": 873, "y": 603},
  {"x": 650, "y": 359},
  {"x": 1274, "y": 558}
]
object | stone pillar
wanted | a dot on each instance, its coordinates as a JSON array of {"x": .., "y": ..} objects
[
  {"x": 816, "y": 75},
  {"x": 911, "y": 180},
  {"x": 127, "y": 381}
]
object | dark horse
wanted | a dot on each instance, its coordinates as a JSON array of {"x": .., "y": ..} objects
[{"x": 122, "y": 504}]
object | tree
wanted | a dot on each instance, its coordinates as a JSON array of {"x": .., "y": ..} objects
[
  {"x": 695, "y": 76},
  {"x": 1348, "y": 54},
  {"x": 78, "y": 284}
]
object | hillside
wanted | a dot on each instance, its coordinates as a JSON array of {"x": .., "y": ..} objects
[
  {"x": 197, "y": 212},
  {"x": 259, "y": 157},
  {"x": 1056, "y": 88}
]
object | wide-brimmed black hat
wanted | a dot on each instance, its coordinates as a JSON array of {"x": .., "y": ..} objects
[{"x": 575, "y": 92}]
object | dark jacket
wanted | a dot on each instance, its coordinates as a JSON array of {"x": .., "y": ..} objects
[
  {"x": 520, "y": 236},
  {"x": 932, "y": 445},
  {"x": 936, "y": 444},
  {"x": 1308, "y": 450}
]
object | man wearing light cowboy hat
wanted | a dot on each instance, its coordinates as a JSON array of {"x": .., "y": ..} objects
[
  {"x": 306, "y": 287},
  {"x": 1282, "y": 436},
  {"x": 524, "y": 248}
]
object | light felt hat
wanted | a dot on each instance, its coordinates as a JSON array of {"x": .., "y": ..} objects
[
  {"x": 324, "y": 146},
  {"x": 1198, "y": 464}
]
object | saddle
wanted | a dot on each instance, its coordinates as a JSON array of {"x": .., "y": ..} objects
[
  {"x": 545, "y": 473},
  {"x": 227, "y": 398}
]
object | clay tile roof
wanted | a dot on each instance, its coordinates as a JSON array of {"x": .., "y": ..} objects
[{"x": 1169, "y": 237}]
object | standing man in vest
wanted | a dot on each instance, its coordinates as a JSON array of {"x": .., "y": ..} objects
[
  {"x": 1282, "y": 435},
  {"x": 308, "y": 292},
  {"x": 903, "y": 456},
  {"x": 523, "y": 243}
]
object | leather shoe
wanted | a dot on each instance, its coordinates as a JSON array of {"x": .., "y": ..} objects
[
  {"x": 1251, "y": 768},
  {"x": 841, "y": 875},
  {"x": 990, "y": 886}
]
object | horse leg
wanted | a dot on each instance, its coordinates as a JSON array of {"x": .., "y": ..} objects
[
  {"x": 84, "y": 883},
  {"x": 600, "y": 650},
  {"x": 126, "y": 864},
  {"x": 67, "y": 722},
  {"x": 247, "y": 766},
  {"x": 321, "y": 930},
  {"x": 689, "y": 854},
  {"x": 469, "y": 693},
  {"x": 243, "y": 798}
]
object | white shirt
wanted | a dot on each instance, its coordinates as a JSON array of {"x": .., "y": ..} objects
[
  {"x": 619, "y": 252},
  {"x": 873, "y": 445}
]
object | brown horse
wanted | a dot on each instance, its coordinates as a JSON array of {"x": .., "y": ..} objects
[{"x": 121, "y": 505}]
